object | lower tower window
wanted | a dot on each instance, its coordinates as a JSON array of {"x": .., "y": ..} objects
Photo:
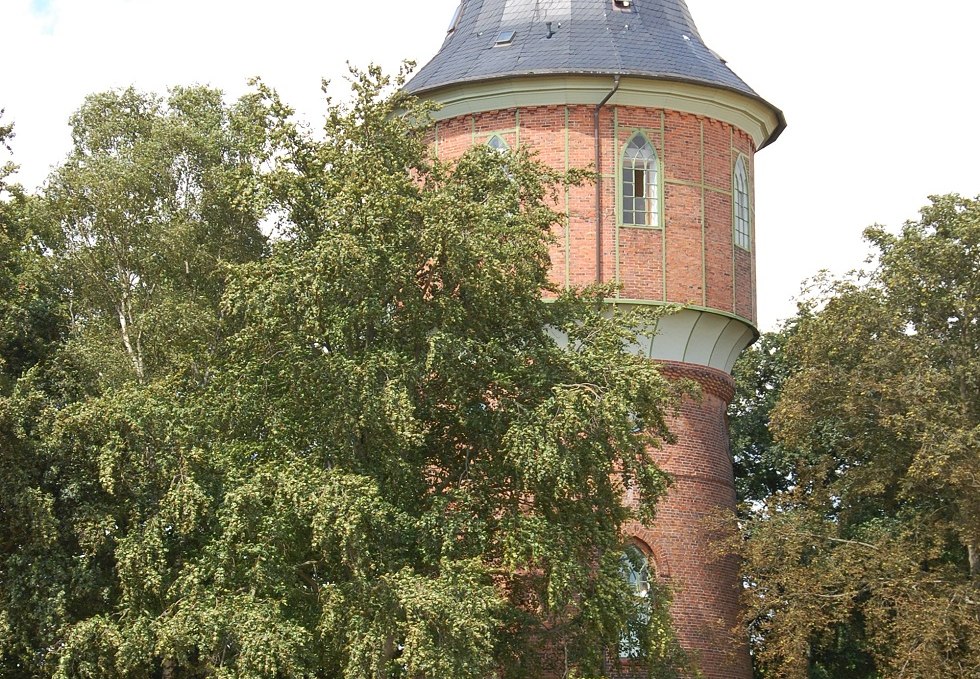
[
  {"x": 635, "y": 568},
  {"x": 498, "y": 144}
]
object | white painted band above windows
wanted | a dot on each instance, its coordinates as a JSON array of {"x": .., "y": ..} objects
[{"x": 753, "y": 116}]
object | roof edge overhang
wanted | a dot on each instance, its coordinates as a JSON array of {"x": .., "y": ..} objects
[{"x": 752, "y": 114}]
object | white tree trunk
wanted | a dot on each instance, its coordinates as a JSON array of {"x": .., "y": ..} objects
[{"x": 134, "y": 352}]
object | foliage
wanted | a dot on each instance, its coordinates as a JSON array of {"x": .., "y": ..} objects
[
  {"x": 153, "y": 201},
  {"x": 356, "y": 451},
  {"x": 32, "y": 322},
  {"x": 30, "y": 317},
  {"x": 867, "y": 565},
  {"x": 762, "y": 466},
  {"x": 114, "y": 280}
]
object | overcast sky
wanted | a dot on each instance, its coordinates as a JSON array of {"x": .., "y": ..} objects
[{"x": 880, "y": 95}]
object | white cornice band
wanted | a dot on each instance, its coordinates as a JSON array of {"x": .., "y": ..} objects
[{"x": 753, "y": 116}]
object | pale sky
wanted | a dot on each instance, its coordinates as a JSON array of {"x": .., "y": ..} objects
[{"x": 880, "y": 95}]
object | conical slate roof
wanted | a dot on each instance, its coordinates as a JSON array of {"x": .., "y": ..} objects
[{"x": 650, "y": 38}]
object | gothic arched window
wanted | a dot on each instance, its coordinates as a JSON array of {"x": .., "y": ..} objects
[
  {"x": 636, "y": 570},
  {"x": 498, "y": 144},
  {"x": 641, "y": 190},
  {"x": 635, "y": 567},
  {"x": 743, "y": 219}
]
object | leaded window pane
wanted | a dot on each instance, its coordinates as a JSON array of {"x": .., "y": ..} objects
[
  {"x": 636, "y": 571},
  {"x": 743, "y": 225},
  {"x": 640, "y": 186}
]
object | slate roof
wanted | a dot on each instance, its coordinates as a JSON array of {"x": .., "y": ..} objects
[{"x": 655, "y": 39}]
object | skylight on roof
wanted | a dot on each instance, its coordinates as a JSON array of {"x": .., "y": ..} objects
[{"x": 505, "y": 37}]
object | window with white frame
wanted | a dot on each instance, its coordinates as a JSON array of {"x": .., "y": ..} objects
[
  {"x": 640, "y": 185},
  {"x": 743, "y": 219},
  {"x": 635, "y": 568}
]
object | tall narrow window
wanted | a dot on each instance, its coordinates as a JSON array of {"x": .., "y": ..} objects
[
  {"x": 636, "y": 571},
  {"x": 743, "y": 220},
  {"x": 498, "y": 144},
  {"x": 641, "y": 193}
]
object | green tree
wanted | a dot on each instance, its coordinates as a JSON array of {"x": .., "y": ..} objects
[
  {"x": 155, "y": 199},
  {"x": 33, "y": 321},
  {"x": 112, "y": 279},
  {"x": 867, "y": 565},
  {"x": 358, "y": 452},
  {"x": 31, "y": 318},
  {"x": 762, "y": 466}
]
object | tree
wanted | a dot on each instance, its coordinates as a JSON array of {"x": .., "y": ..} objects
[
  {"x": 112, "y": 280},
  {"x": 762, "y": 466},
  {"x": 866, "y": 566},
  {"x": 31, "y": 318},
  {"x": 374, "y": 460},
  {"x": 33, "y": 322},
  {"x": 153, "y": 201}
]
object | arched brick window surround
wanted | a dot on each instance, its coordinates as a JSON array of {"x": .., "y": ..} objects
[{"x": 642, "y": 538}]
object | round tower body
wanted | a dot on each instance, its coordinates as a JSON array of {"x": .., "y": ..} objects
[{"x": 629, "y": 87}]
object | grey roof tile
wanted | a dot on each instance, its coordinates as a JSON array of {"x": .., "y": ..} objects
[{"x": 657, "y": 39}]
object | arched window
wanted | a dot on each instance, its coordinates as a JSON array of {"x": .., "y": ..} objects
[
  {"x": 641, "y": 192},
  {"x": 498, "y": 144},
  {"x": 636, "y": 570},
  {"x": 743, "y": 220},
  {"x": 635, "y": 567}
]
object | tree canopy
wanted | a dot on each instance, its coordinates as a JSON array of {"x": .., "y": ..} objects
[
  {"x": 865, "y": 563},
  {"x": 762, "y": 465},
  {"x": 356, "y": 448}
]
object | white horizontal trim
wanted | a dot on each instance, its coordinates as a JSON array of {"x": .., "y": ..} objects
[{"x": 752, "y": 116}]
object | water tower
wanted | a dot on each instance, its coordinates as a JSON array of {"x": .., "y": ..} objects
[{"x": 630, "y": 87}]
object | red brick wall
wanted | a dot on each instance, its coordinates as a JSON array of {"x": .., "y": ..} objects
[
  {"x": 702, "y": 267},
  {"x": 706, "y": 583}
]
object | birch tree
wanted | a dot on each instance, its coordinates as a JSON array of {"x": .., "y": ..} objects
[{"x": 156, "y": 197}]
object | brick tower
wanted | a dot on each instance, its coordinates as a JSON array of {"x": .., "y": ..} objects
[{"x": 628, "y": 86}]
